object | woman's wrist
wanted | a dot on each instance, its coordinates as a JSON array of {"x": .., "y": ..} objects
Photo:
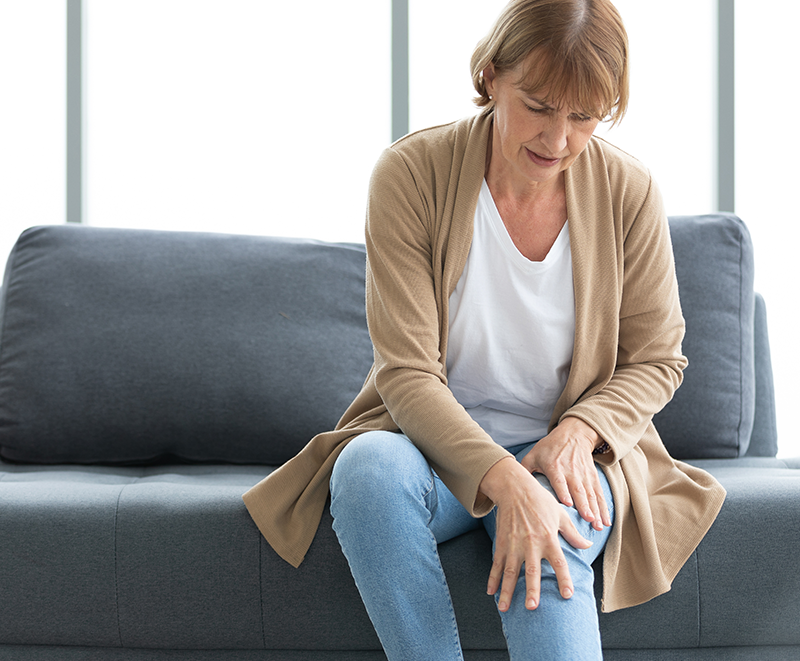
[
  {"x": 579, "y": 430},
  {"x": 502, "y": 478}
]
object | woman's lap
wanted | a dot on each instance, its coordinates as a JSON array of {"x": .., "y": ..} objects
[{"x": 390, "y": 474}]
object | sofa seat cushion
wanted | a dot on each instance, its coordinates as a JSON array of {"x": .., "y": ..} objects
[
  {"x": 129, "y": 557},
  {"x": 741, "y": 586},
  {"x": 162, "y": 557},
  {"x": 167, "y": 557}
]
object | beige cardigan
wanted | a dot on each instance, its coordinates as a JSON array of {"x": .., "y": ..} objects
[{"x": 627, "y": 358}]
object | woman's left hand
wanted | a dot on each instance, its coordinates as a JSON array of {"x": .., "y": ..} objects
[{"x": 564, "y": 456}]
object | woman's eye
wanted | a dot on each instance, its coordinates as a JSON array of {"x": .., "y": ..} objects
[{"x": 538, "y": 111}]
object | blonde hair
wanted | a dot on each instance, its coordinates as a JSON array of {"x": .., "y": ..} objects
[{"x": 579, "y": 52}]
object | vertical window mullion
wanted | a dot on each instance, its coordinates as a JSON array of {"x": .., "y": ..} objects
[
  {"x": 400, "y": 81},
  {"x": 726, "y": 115},
  {"x": 75, "y": 112}
]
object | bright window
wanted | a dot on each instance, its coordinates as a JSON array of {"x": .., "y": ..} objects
[
  {"x": 267, "y": 117},
  {"x": 32, "y": 117},
  {"x": 674, "y": 137},
  {"x": 767, "y": 176},
  {"x": 236, "y": 116}
]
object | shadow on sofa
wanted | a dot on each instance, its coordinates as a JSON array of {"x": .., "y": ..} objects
[{"x": 147, "y": 379}]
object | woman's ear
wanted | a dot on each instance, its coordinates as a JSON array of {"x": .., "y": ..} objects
[{"x": 489, "y": 77}]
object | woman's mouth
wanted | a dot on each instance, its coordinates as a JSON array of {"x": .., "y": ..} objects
[{"x": 541, "y": 160}]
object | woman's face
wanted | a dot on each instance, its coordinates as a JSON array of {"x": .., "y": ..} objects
[{"x": 533, "y": 142}]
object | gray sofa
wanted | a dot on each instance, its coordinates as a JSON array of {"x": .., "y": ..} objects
[{"x": 147, "y": 379}]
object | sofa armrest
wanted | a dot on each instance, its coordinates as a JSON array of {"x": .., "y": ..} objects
[{"x": 764, "y": 438}]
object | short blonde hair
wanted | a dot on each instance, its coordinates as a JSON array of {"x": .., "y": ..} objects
[{"x": 581, "y": 54}]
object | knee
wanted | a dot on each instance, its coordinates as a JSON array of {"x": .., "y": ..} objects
[{"x": 375, "y": 465}]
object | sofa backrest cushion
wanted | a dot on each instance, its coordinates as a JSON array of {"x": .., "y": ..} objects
[
  {"x": 132, "y": 346},
  {"x": 712, "y": 413}
]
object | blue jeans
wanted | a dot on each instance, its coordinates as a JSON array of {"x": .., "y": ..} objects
[{"x": 390, "y": 511}]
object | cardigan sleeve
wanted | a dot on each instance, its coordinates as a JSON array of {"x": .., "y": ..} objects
[
  {"x": 406, "y": 308},
  {"x": 649, "y": 363}
]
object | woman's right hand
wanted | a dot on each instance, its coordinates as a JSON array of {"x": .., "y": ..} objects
[{"x": 529, "y": 520}]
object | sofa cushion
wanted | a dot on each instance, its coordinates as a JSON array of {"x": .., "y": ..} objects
[
  {"x": 126, "y": 346},
  {"x": 711, "y": 415},
  {"x": 167, "y": 557}
]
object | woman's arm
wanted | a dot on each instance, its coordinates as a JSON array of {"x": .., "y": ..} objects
[
  {"x": 405, "y": 313},
  {"x": 649, "y": 362},
  {"x": 648, "y": 368}
]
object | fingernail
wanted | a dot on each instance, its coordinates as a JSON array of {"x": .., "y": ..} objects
[
  {"x": 531, "y": 604},
  {"x": 567, "y": 593},
  {"x": 503, "y": 606}
]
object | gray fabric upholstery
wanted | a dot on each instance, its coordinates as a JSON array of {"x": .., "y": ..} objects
[
  {"x": 222, "y": 348},
  {"x": 749, "y": 552},
  {"x": 167, "y": 557},
  {"x": 764, "y": 439},
  {"x": 125, "y": 346},
  {"x": 17, "y": 653},
  {"x": 712, "y": 412}
]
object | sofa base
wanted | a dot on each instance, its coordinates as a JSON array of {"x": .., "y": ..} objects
[{"x": 35, "y": 653}]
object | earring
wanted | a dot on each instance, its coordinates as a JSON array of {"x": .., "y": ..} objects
[{"x": 490, "y": 97}]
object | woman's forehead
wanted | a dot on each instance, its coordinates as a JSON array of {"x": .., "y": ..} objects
[{"x": 556, "y": 86}]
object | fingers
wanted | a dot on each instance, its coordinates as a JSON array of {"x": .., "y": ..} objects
[
  {"x": 495, "y": 575},
  {"x": 583, "y": 491},
  {"x": 510, "y": 576},
  {"x": 571, "y": 535},
  {"x": 590, "y": 502},
  {"x": 560, "y": 567},
  {"x": 503, "y": 577},
  {"x": 506, "y": 578},
  {"x": 533, "y": 582},
  {"x": 505, "y": 571}
]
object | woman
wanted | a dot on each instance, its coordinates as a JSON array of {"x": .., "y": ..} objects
[{"x": 522, "y": 303}]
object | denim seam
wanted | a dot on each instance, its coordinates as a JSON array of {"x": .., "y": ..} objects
[
  {"x": 456, "y": 636},
  {"x": 431, "y": 505}
]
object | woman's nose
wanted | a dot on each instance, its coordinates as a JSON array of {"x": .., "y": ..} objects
[{"x": 554, "y": 136}]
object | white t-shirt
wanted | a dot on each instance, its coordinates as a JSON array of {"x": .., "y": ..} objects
[{"x": 512, "y": 330}]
